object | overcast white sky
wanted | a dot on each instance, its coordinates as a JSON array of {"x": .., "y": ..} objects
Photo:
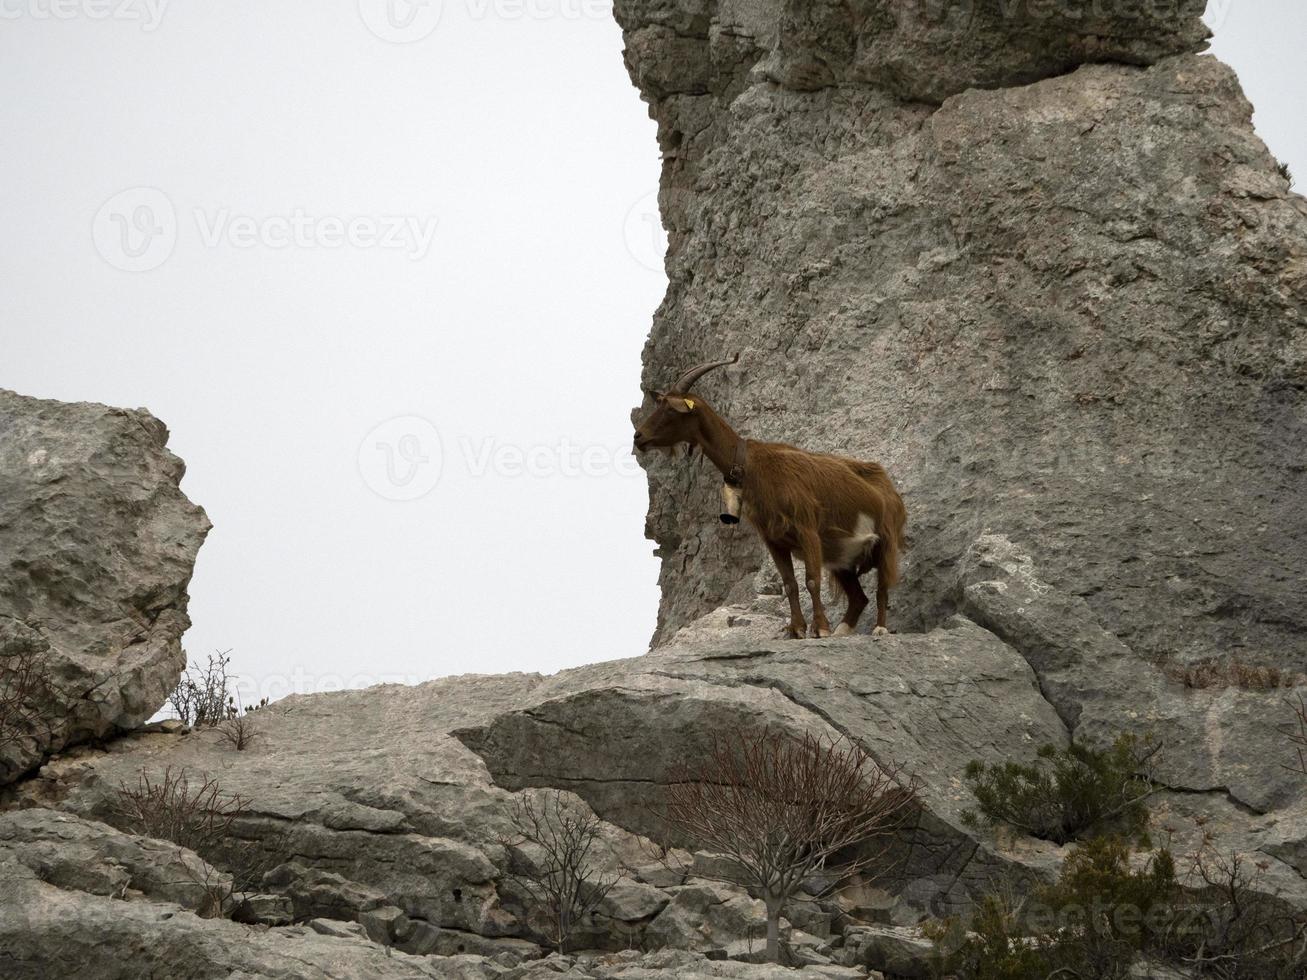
[{"x": 387, "y": 280}]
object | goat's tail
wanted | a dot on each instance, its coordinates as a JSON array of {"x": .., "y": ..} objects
[{"x": 893, "y": 519}]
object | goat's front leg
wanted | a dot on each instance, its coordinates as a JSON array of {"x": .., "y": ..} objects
[
  {"x": 812, "y": 566},
  {"x": 785, "y": 565}
]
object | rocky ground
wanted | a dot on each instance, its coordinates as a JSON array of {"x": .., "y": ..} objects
[{"x": 379, "y": 813}]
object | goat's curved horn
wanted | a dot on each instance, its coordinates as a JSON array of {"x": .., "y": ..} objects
[{"x": 695, "y": 373}]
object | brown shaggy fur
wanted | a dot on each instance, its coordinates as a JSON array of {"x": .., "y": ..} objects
[
  {"x": 799, "y": 501},
  {"x": 787, "y": 489}
]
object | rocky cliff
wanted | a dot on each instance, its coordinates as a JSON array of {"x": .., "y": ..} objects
[{"x": 1034, "y": 260}]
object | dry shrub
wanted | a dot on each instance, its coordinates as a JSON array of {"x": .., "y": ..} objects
[
  {"x": 1216, "y": 674},
  {"x": 240, "y": 728},
  {"x": 1296, "y": 732},
  {"x": 197, "y": 816},
  {"x": 22, "y": 681},
  {"x": 782, "y": 809},
  {"x": 551, "y": 856},
  {"x": 202, "y": 694},
  {"x": 1230, "y": 926}
]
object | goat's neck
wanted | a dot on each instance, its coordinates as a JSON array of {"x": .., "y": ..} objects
[{"x": 718, "y": 441}]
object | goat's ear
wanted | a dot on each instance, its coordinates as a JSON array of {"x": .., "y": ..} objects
[{"x": 681, "y": 405}]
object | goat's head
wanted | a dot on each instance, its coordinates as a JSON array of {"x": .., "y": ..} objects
[{"x": 673, "y": 418}]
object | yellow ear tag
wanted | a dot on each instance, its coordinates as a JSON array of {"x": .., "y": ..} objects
[{"x": 689, "y": 403}]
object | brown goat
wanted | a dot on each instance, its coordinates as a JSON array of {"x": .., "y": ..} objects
[{"x": 838, "y": 513}]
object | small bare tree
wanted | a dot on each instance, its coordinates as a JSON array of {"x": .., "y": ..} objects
[
  {"x": 201, "y": 696},
  {"x": 1297, "y": 734},
  {"x": 1231, "y": 925},
  {"x": 551, "y": 856},
  {"x": 782, "y": 809}
]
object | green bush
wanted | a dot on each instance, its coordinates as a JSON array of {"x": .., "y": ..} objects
[
  {"x": 1067, "y": 792},
  {"x": 1214, "y": 919},
  {"x": 1093, "y": 922}
]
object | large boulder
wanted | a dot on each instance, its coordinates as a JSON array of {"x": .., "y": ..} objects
[{"x": 97, "y": 546}]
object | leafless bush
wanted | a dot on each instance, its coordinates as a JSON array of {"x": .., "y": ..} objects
[
  {"x": 239, "y": 728},
  {"x": 198, "y": 817},
  {"x": 782, "y": 809},
  {"x": 551, "y": 856},
  {"x": 1297, "y": 734},
  {"x": 1230, "y": 926},
  {"x": 22, "y": 678},
  {"x": 201, "y": 696}
]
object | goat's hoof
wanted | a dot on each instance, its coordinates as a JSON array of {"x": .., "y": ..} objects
[
  {"x": 792, "y": 633},
  {"x": 820, "y": 633},
  {"x": 880, "y": 631},
  {"x": 844, "y": 629}
]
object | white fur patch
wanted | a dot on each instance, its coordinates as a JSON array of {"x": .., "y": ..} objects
[{"x": 855, "y": 551}]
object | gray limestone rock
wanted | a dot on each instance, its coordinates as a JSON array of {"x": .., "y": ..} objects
[
  {"x": 97, "y": 545},
  {"x": 1069, "y": 313}
]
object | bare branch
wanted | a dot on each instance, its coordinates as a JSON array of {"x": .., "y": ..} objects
[
  {"x": 782, "y": 809},
  {"x": 1297, "y": 734},
  {"x": 22, "y": 679},
  {"x": 551, "y": 857}
]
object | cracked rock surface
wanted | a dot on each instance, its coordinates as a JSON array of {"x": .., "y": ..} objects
[
  {"x": 381, "y": 810},
  {"x": 97, "y": 546}
]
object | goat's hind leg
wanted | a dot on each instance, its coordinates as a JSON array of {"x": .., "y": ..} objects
[
  {"x": 848, "y": 581},
  {"x": 785, "y": 565},
  {"x": 882, "y": 601}
]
